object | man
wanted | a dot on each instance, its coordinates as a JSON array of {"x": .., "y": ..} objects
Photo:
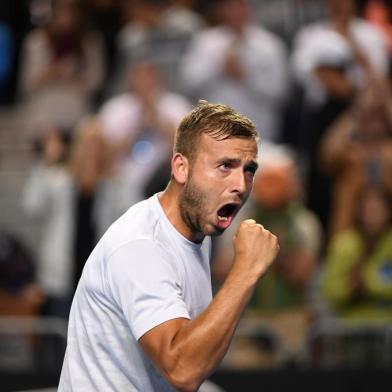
[
  {"x": 140, "y": 125},
  {"x": 239, "y": 63},
  {"x": 142, "y": 318}
]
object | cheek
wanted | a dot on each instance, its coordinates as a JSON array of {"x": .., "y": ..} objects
[
  {"x": 204, "y": 181},
  {"x": 206, "y": 194}
]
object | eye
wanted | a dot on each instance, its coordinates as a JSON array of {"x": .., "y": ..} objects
[
  {"x": 251, "y": 170},
  {"x": 225, "y": 166}
]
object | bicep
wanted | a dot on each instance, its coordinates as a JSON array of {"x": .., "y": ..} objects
[
  {"x": 157, "y": 343},
  {"x": 146, "y": 286}
]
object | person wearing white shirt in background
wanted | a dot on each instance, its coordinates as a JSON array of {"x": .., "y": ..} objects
[
  {"x": 342, "y": 40},
  {"x": 240, "y": 64},
  {"x": 140, "y": 124}
]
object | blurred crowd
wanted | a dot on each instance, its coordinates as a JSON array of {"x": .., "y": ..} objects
[{"x": 102, "y": 85}]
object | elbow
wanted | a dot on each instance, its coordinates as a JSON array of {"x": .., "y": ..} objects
[{"x": 184, "y": 381}]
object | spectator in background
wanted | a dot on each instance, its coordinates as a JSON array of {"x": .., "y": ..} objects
[
  {"x": 62, "y": 66},
  {"x": 331, "y": 60},
  {"x": 77, "y": 199},
  {"x": 357, "y": 281},
  {"x": 343, "y": 41},
  {"x": 149, "y": 33},
  {"x": 140, "y": 125},
  {"x": 280, "y": 299},
  {"x": 240, "y": 64},
  {"x": 285, "y": 17},
  {"x": 356, "y": 152}
]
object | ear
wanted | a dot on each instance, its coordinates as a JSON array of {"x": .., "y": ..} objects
[{"x": 180, "y": 168}]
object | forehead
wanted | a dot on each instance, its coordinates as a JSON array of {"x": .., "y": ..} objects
[{"x": 241, "y": 148}]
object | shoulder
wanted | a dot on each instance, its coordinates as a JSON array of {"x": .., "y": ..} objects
[
  {"x": 140, "y": 265},
  {"x": 140, "y": 226},
  {"x": 311, "y": 28},
  {"x": 173, "y": 98},
  {"x": 367, "y": 30},
  {"x": 265, "y": 37},
  {"x": 174, "y": 105},
  {"x": 119, "y": 105},
  {"x": 119, "y": 101},
  {"x": 135, "y": 224},
  {"x": 119, "y": 114},
  {"x": 314, "y": 33},
  {"x": 139, "y": 254}
]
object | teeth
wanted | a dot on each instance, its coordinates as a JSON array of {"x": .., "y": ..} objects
[{"x": 223, "y": 218}]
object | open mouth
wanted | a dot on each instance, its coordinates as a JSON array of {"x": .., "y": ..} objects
[{"x": 226, "y": 214}]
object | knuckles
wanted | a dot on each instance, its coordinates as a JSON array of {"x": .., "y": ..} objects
[{"x": 249, "y": 230}]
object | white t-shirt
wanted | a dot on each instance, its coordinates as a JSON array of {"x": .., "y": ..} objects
[{"x": 142, "y": 273}]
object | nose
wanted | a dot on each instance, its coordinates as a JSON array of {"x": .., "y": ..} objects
[{"x": 240, "y": 183}]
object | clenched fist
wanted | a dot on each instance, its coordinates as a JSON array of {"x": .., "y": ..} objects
[{"x": 255, "y": 249}]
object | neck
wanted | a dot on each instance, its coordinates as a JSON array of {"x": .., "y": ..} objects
[{"x": 170, "y": 200}]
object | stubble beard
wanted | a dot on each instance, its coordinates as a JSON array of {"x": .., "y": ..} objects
[{"x": 193, "y": 204}]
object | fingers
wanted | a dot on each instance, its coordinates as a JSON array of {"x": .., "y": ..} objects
[
  {"x": 253, "y": 222},
  {"x": 250, "y": 221}
]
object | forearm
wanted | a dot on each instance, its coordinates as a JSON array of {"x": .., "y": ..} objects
[
  {"x": 187, "y": 351},
  {"x": 200, "y": 345}
]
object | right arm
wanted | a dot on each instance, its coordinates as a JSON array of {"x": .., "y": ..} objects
[{"x": 187, "y": 351}]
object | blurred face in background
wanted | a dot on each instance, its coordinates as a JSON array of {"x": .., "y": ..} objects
[
  {"x": 90, "y": 156},
  {"x": 276, "y": 185},
  {"x": 54, "y": 148},
  {"x": 374, "y": 212},
  {"x": 66, "y": 19},
  {"x": 341, "y": 9},
  {"x": 234, "y": 13},
  {"x": 144, "y": 80}
]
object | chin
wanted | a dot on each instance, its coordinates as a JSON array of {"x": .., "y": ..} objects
[{"x": 214, "y": 231}]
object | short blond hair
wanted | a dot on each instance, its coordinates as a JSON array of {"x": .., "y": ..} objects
[{"x": 214, "y": 119}]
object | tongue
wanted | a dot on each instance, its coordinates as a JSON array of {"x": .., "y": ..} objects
[{"x": 224, "y": 224}]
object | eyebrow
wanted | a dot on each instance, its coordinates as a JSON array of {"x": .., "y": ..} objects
[{"x": 251, "y": 164}]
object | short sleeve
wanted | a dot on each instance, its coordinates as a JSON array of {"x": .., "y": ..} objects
[{"x": 146, "y": 286}]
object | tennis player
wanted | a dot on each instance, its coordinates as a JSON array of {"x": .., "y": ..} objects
[{"x": 143, "y": 317}]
